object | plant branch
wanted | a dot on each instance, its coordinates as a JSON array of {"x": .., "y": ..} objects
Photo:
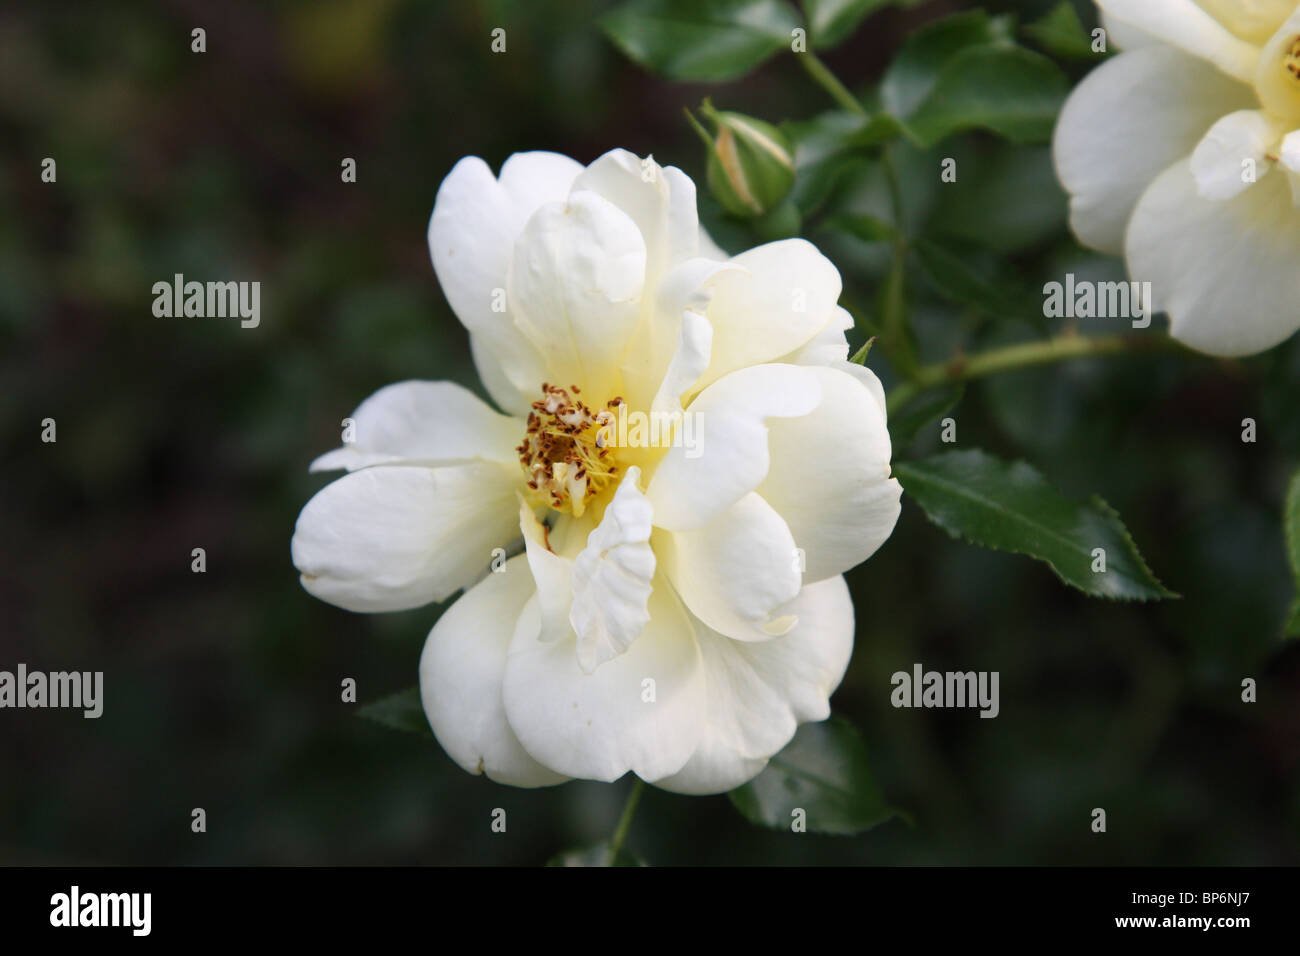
[
  {"x": 963, "y": 368},
  {"x": 828, "y": 81},
  {"x": 895, "y": 340},
  {"x": 625, "y": 821}
]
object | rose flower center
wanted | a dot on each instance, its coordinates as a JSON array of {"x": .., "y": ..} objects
[
  {"x": 1292, "y": 60},
  {"x": 566, "y": 454}
]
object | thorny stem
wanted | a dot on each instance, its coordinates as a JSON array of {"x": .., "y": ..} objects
[{"x": 625, "y": 821}]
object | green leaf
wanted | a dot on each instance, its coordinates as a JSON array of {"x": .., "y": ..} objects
[
  {"x": 1010, "y": 506},
  {"x": 1291, "y": 526},
  {"x": 864, "y": 227},
  {"x": 597, "y": 855},
  {"x": 401, "y": 711},
  {"x": 701, "y": 40},
  {"x": 1015, "y": 93},
  {"x": 860, "y": 356},
  {"x": 896, "y": 333},
  {"x": 829, "y": 146},
  {"x": 994, "y": 215},
  {"x": 912, "y": 76},
  {"x": 831, "y": 21},
  {"x": 824, "y": 772},
  {"x": 783, "y": 222},
  {"x": 1061, "y": 33},
  {"x": 965, "y": 72},
  {"x": 957, "y": 280},
  {"x": 930, "y": 406}
]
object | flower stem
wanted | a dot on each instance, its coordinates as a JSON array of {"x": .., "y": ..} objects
[
  {"x": 963, "y": 368},
  {"x": 893, "y": 322},
  {"x": 625, "y": 821},
  {"x": 895, "y": 329},
  {"x": 828, "y": 81},
  {"x": 893, "y": 305}
]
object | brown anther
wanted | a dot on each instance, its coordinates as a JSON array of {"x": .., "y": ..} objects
[{"x": 562, "y": 454}]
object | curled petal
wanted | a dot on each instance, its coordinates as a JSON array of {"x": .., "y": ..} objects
[{"x": 612, "y": 578}]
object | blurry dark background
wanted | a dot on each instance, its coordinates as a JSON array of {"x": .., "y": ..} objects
[{"x": 222, "y": 689}]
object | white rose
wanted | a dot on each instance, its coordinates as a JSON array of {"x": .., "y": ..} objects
[
  {"x": 657, "y": 619},
  {"x": 1183, "y": 153}
]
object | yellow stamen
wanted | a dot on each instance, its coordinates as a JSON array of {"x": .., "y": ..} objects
[
  {"x": 1292, "y": 60},
  {"x": 564, "y": 454}
]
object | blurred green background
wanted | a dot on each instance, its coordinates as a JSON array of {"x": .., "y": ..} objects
[{"x": 222, "y": 689}]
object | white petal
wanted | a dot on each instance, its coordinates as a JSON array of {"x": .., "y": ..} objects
[
  {"x": 1276, "y": 85},
  {"x": 427, "y": 422},
  {"x": 671, "y": 346},
  {"x": 612, "y": 578},
  {"x": 691, "y": 358},
  {"x": 1121, "y": 36},
  {"x": 552, "y": 573},
  {"x": 1252, "y": 20},
  {"x": 1124, "y": 124},
  {"x": 759, "y": 693},
  {"x": 785, "y": 296},
  {"x": 735, "y": 572},
  {"x": 1185, "y": 25},
  {"x": 640, "y": 711},
  {"x": 1293, "y": 180},
  {"x": 829, "y": 478},
  {"x": 568, "y": 535},
  {"x": 535, "y": 178},
  {"x": 1233, "y": 155},
  {"x": 692, "y": 485},
  {"x": 1290, "y": 152},
  {"x": 575, "y": 287},
  {"x": 1289, "y": 156},
  {"x": 830, "y": 349},
  {"x": 461, "y": 672},
  {"x": 660, "y": 200},
  {"x": 867, "y": 379},
  {"x": 504, "y": 392},
  {"x": 827, "y": 347},
  {"x": 714, "y": 767},
  {"x": 682, "y": 304},
  {"x": 472, "y": 233},
  {"x": 1224, "y": 271},
  {"x": 395, "y": 537}
]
